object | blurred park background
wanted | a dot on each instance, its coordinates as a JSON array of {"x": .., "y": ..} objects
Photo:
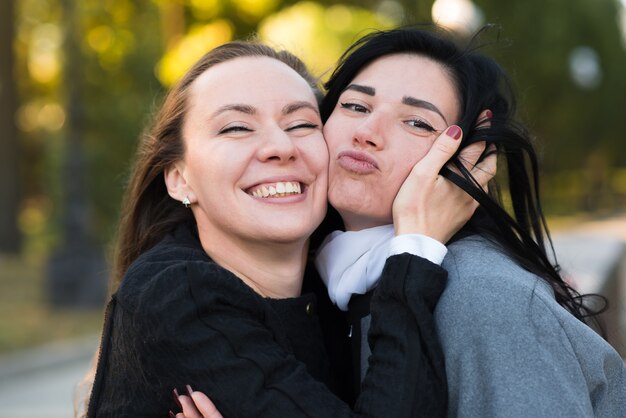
[{"x": 78, "y": 80}]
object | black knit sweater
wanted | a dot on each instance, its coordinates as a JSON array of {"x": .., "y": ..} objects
[{"x": 179, "y": 318}]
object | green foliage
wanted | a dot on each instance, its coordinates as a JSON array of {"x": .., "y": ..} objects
[{"x": 129, "y": 50}]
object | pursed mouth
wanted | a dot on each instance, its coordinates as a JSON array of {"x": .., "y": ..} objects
[
  {"x": 277, "y": 189},
  {"x": 360, "y": 157}
]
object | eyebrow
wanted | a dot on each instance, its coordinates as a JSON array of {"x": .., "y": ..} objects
[
  {"x": 412, "y": 101},
  {"x": 251, "y": 110},
  {"x": 295, "y": 106},
  {"x": 247, "y": 109},
  {"x": 407, "y": 100},
  {"x": 370, "y": 91}
]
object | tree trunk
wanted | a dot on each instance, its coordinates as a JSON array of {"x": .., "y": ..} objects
[
  {"x": 10, "y": 238},
  {"x": 76, "y": 271}
]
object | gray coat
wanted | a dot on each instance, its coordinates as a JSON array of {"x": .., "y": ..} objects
[{"x": 512, "y": 351}]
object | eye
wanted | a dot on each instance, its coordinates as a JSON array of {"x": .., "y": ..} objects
[
  {"x": 234, "y": 129},
  {"x": 303, "y": 125},
  {"x": 355, "y": 107},
  {"x": 420, "y": 124}
]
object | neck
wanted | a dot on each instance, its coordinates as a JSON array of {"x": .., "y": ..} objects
[
  {"x": 353, "y": 222},
  {"x": 272, "y": 269}
]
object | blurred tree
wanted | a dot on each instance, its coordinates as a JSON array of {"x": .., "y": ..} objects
[
  {"x": 119, "y": 42},
  {"x": 568, "y": 64},
  {"x": 320, "y": 34},
  {"x": 10, "y": 238},
  {"x": 76, "y": 269},
  {"x": 130, "y": 50}
]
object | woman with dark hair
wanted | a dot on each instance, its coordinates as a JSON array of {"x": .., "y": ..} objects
[
  {"x": 513, "y": 332},
  {"x": 227, "y": 187}
]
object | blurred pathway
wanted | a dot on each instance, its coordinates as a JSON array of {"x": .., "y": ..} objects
[
  {"x": 40, "y": 383},
  {"x": 589, "y": 252}
]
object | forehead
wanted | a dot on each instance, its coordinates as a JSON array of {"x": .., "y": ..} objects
[
  {"x": 249, "y": 80},
  {"x": 398, "y": 75}
]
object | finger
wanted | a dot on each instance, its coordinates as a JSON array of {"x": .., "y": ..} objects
[
  {"x": 189, "y": 408},
  {"x": 484, "y": 171},
  {"x": 471, "y": 153},
  {"x": 484, "y": 119},
  {"x": 492, "y": 149},
  {"x": 205, "y": 405},
  {"x": 441, "y": 151}
]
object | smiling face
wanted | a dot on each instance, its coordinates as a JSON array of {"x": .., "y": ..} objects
[
  {"x": 384, "y": 122},
  {"x": 255, "y": 163}
]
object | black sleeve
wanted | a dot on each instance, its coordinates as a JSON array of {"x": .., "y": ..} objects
[
  {"x": 403, "y": 325},
  {"x": 211, "y": 335}
]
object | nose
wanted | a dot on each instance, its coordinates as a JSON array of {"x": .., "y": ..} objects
[
  {"x": 370, "y": 132},
  {"x": 278, "y": 146}
]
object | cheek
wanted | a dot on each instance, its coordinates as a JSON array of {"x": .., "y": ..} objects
[
  {"x": 320, "y": 157},
  {"x": 404, "y": 162},
  {"x": 315, "y": 152},
  {"x": 334, "y": 133},
  {"x": 200, "y": 174},
  {"x": 411, "y": 152},
  {"x": 217, "y": 164}
]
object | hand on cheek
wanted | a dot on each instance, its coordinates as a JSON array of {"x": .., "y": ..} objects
[{"x": 428, "y": 203}]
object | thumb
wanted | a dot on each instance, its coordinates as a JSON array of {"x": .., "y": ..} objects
[{"x": 441, "y": 151}]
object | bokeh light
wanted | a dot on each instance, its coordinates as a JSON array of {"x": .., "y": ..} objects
[
  {"x": 253, "y": 10},
  {"x": 100, "y": 38},
  {"x": 39, "y": 115},
  {"x": 391, "y": 8},
  {"x": 44, "y": 63},
  {"x": 206, "y": 9},
  {"x": 319, "y": 34},
  {"x": 457, "y": 15},
  {"x": 189, "y": 49},
  {"x": 584, "y": 65}
]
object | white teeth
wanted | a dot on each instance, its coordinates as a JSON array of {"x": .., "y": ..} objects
[{"x": 279, "y": 189}]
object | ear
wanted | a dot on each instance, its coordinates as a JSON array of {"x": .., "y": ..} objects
[{"x": 176, "y": 182}]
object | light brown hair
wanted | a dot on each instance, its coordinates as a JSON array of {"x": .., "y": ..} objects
[{"x": 148, "y": 212}]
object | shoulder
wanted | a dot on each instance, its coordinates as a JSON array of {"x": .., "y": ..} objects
[
  {"x": 174, "y": 273},
  {"x": 500, "y": 326},
  {"x": 489, "y": 296},
  {"x": 478, "y": 265},
  {"x": 486, "y": 287}
]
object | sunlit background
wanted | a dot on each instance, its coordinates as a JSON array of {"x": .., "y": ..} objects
[{"x": 80, "y": 79}]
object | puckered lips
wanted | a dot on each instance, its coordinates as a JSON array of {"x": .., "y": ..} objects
[{"x": 357, "y": 162}]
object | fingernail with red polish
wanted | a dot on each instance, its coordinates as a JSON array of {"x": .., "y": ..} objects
[
  {"x": 172, "y": 415},
  {"x": 189, "y": 390},
  {"x": 454, "y": 132},
  {"x": 175, "y": 395},
  {"x": 489, "y": 114}
]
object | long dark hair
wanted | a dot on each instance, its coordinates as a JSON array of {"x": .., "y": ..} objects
[{"x": 480, "y": 84}]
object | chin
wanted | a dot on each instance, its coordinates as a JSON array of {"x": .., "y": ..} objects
[
  {"x": 287, "y": 237},
  {"x": 289, "y": 230}
]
